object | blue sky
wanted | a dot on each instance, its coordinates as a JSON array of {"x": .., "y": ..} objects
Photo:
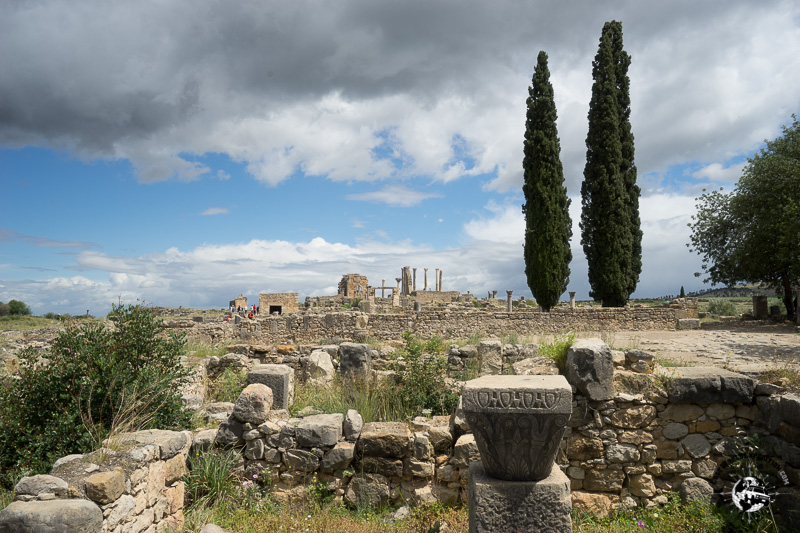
[{"x": 182, "y": 154}]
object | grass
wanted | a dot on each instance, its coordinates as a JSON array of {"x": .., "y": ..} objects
[
  {"x": 786, "y": 376},
  {"x": 675, "y": 516},
  {"x": 25, "y": 323},
  {"x": 228, "y": 385},
  {"x": 200, "y": 349},
  {"x": 375, "y": 400}
]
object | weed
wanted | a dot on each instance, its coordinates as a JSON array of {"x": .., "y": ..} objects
[
  {"x": 228, "y": 385},
  {"x": 557, "y": 350},
  {"x": 210, "y": 479}
]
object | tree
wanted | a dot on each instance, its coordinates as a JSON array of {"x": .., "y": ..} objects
[
  {"x": 97, "y": 377},
  {"x": 752, "y": 234},
  {"x": 548, "y": 227},
  {"x": 16, "y": 307},
  {"x": 610, "y": 224}
]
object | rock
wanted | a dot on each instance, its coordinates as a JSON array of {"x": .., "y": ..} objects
[
  {"x": 490, "y": 354},
  {"x": 279, "y": 379},
  {"x": 203, "y": 440},
  {"x": 688, "y": 323},
  {"x": 170, "y": 443},
  {"x": 682, "y": 412},
  {"x": 319, "y": 367},
  {"x": 583, "y": 448},
  {"x": 354, "y": 358},
  {"x": 633, "y": 417},
  {"x": 35, "y": 485},
  {"x": 254, "y": 404},
  {"x": 301, "y": 460},
  {"x": 674, "y": 430},
  {"x": 604, "y": 480},
  {"x": 230, "y": 433},
  {"x": 319, "y": 430},
  {"x": 597, "y": 504},
  {"x": 218, "y": 411},
  {"x": 702, "y": 384},
  {"x": 105, "y": 487},
  {"x": 367, "y": 490},
  {"x": 535, "y": 366},
  {"x": 381, "y": 465},
  {"x": 642, "y": 485},
  {"x": 696, "y": 445},
  {"x": 440, "y": 438},
  {"x": 622, "y": 453},
  {"x": 54, "y": 516},
  {"x": 590, "y": 368},
  {"x": 696, "y": 489},
  {"x": 213, "y": 528},
  {"x": 353, "y": 424},
  {"x": 385, "y": 439},
  {"x": 465, "y": 451},
  {"x": 338, "y": 458}
]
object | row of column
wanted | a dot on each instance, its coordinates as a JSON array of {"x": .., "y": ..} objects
[{"x": 407, "y": 282}]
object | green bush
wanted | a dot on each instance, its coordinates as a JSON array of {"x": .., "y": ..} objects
[
  {"x": 423, "y": 379},
  {"x": 721, "y": 307},
  {"x": 15, "y": 307},
  {"x": 94, "y": 377},
  {"x": 4, "y": 311}
]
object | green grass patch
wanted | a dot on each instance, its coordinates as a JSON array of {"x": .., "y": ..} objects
[
  {"x": 200, "y": 349},
  {"x": 25, "y": 323},
  {"x": 228, "y": 385}
]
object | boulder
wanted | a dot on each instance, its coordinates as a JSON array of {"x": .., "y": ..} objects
[
  {"x": 279, "y": 379},
  {"x": 53, "y": 516},
  {"x": 353, "y": 424},
  {"x": 35, "y": 485},
  {"x": 338, "y": 458},
  {"x": 354, "y": 358},
  {"x": 254, "y": 404},
  {"x": 319, "y": 368},
  {"x": 367, "y": 490},
  {"x": 385, "y": 439},
  {"x": 696, "y": 488},
  {"x": 590, "y": 367}
]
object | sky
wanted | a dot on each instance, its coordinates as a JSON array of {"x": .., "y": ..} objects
[{"x": 181, "y": 153}]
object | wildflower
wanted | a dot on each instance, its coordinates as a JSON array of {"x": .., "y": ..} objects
[{"x": 640, "y": 523}]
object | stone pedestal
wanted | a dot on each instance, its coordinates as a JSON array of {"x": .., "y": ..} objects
[
  {"x": 498, "y": 505},
  {"x": 760, "y": 307}
]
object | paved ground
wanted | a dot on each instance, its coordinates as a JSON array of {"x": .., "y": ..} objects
[{"x": 743, "y": 346}]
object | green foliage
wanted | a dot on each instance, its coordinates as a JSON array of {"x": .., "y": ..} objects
[
  {"x": 210, "y": 479},
  {"x": 722, "y": 307},
  {"x": 610, "y": 222},
  {"x": 4, "y": 310},
  {"x": 228, "y": 385},
  {"x": 548, "y": 227},
  {"x": 374, "y": 399},
  {"x": 751, "y": 234},
  {"x": 94, "y": 373},
  {"x": 683, "y": 292},
  {"x": 18, "y": 308},
  {"x": 423, "y": 380},
  {"x": 557, "y": 350}
]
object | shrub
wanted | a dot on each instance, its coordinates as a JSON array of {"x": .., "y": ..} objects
[
  {"x": 210, "y": 479},
  {"x": 721, "y": 307},
  {"x": 4, "y": 311},
  {"x": 228, "y": 386},
  {"x": 557, "y": 350},
  {"x": 93, "y": 374},
  {"x": 423, "y": 380},
  {"x": 15, "y": 307}
]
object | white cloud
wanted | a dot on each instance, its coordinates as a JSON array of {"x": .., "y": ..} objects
[
  {"x": 716, "y": 172},
  {"x": 214, "y": 211},
  {"x": 393, "y": 195}
]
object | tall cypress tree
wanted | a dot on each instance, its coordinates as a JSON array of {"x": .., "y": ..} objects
[
  {"x": 607, "y": 228},
  {"x": 628, "y": 167},
  {"x": 548, "y": 227}
]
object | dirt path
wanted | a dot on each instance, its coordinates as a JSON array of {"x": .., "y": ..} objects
[{"x": 742, "y": 346}]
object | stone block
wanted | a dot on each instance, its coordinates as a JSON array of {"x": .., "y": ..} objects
[
  {"x": 54, "y": 516},
  {"x": 254, "y": 404},
  {"x": 590, "y": 367},
  {"x": 703, "y": 384},
  {"x": 688, "y": 323},
  {"x": 385, "y": 439},
  {"x": 633, "y": 417},
  {"x": 338, "y": 458},
  {"x": 499, "y": 505},
  {"x": 490, "y": 354},
  {"x": 319, "y": 367},
  {"x": 604, "y": 480},
  {"x": 381, "y": 465},
  {"x": 696, "y": 489},
  {"x": 230, "y": 433},
  {"x": 319, "y": 430},
  {"x": 170, "y": 443},
  {"x": 353, "y": 423},
  {"x": 279, "y": 378},
  {"x": 105, "y": 487},
  {"x": 367, "y": 490},
  {"x": 355, "y": 358}
]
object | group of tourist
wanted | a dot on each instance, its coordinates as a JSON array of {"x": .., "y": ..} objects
[{"x": 251, "y": 314}]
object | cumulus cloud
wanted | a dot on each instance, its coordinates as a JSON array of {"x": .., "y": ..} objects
[{"x": 287, "y": 94}]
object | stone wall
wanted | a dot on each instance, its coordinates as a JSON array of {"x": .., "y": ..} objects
[
  {"x": 286, "y": 302},
  {"x": 450, "y": 323},
  {"x": 136, "y": 489},
  {"x": 427, "y": 297}
]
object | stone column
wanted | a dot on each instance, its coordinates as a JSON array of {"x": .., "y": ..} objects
[
  {"x": 383, "y": 288},
  {"x": 426, "y": 279},
  {"x": 440, "y": 281},
  {"x": 494, "y": 295},
  {"x": 414, "y": 281},
  {"x": 572, "y": 299},
  {"x": 398, "y": 280},
  {"x": 508, "y": 301},
  {"x": 436, "y": 280},
  {"x": 518, "y": 423},
  {"x": 760, "y": 308}
]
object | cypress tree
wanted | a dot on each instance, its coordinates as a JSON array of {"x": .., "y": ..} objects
[
  {"x": 610, "y": 223},
  {"x": 605, "y": 233},
  {"x": 548, "y": 227},
  {"x": 628, "y": 167}
]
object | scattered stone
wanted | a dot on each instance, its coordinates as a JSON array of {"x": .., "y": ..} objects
[{"x": 591, "y": 369}]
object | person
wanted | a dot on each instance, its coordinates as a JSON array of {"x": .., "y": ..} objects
[
  {"x": 227, "y": 318},
  {"x": 258, "y": 309},
  {"x": 250, "y": 316}
]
